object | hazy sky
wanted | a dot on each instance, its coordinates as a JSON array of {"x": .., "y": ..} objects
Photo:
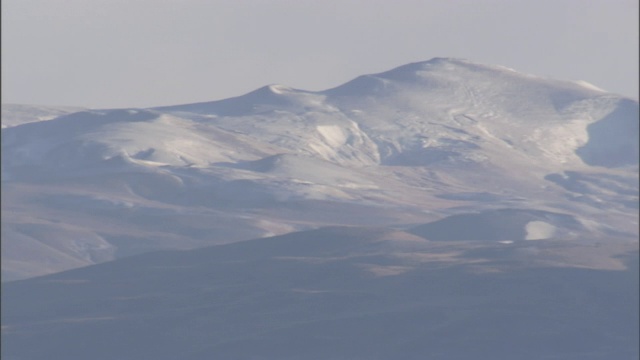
[{"x": 140, "y": 53}]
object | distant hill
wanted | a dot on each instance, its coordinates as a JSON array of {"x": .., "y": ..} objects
[{"x": 336, "y": 293}]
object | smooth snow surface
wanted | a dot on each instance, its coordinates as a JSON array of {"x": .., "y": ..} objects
[
  {"x": 17, "y": 114},
  {"x": 538, "y": 230}
]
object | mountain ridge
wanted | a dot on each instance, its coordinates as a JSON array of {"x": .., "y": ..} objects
[{"x": 418, "y": 143}]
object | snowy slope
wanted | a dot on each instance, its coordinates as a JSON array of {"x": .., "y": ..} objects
[
  {"x": 16, "y": 114},
  {"x": 417, "y": 144}
]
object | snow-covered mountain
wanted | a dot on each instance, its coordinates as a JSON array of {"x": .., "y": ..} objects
[
  {"x": 437, "y": 142},
  {"x": 440, "y": 210}
]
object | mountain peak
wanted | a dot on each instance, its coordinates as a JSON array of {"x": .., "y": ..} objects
[
  {"x": 278, "y": 89},
  {"x": 271, "y": 89},
  {"x": 443, "y": 65}
]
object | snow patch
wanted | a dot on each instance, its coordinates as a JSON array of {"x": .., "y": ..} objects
[
  {"x": 589, "y": 86},
  {"x": 278, "y": 89},
  {"x": 539, "y": 230},
  {"x": 333, "y": 134}
]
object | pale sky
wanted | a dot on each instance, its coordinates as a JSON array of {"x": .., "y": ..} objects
[{"x": 142, "y": 53}]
